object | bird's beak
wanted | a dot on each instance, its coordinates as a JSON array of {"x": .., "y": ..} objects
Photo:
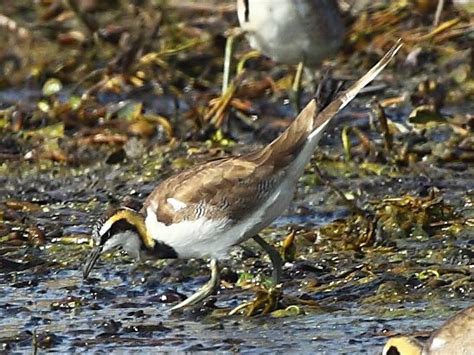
[{"x": 91, "y": 260}]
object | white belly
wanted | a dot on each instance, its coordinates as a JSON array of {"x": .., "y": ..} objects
[
  {"x": 213, "y": 238},
  {"x": 290, "y": 31}
]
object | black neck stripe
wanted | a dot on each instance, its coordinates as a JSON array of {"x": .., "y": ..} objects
[
  {"x": 163, "y": 251},
  {"x": 246, "y": 13}
]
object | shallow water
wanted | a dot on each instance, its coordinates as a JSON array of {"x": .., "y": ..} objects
[
  {"x": 114, "y": 315},
  {"x": 124, "y": 308},
  {"x": 401, "y": 285}
]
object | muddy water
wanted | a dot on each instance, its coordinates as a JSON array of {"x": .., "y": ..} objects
[
  {"x": 119, "y": 313},
  {"x": 116, "y": 316},
  {"x": 45, "y": 304},
  {"x": 350, "y": 293}
]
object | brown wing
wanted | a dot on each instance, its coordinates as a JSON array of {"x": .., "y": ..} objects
[
  {"x": 239, "y": 184},
  {"x": 235, "y": 184}
]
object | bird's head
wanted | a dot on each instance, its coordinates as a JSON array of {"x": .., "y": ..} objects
[
  {"x": 119, "y": 228},
  {"x": 402, "y": 345}
]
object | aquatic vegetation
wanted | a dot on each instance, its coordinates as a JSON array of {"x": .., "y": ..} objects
[{"x": 100, "y": 100}]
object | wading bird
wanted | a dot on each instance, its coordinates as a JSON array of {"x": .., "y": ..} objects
[
  {"x": 303, "y": 32},
  {"x": 454, "y": 337},
  {"x": 203, "y": 211}
]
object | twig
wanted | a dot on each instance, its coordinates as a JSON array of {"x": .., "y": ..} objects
[
  {"x": 34, "y": 342},
  {"x": 439, "y": 10},
  {"x": 385, "y": 131}
]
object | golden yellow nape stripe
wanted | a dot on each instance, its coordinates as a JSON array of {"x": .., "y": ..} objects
[
  {"x": 402, "y": 345},
  {"x": 138, "y": 220}
]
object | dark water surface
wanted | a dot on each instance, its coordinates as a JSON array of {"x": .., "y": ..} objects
[{"x": 124, "y": 307}]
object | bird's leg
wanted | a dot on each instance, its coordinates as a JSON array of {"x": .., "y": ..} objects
[
  {"x": 218, "y": 106},
  {"x": 205, "y": 290},
  {"x": 274, "y": 257},
  {"x": 296, "y": 88},
  {"x": 232, "y": 37},
  {"x": 266, "y": 299}
]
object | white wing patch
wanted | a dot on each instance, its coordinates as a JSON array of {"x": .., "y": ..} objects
[
  {"x": 437, "y": 343},
  {"x": 176, "y": 204}
]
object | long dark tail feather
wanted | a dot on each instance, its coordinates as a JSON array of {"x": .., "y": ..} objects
[
  {"x": 343, "y": 99},
  {"x": 312, "y": 120}
]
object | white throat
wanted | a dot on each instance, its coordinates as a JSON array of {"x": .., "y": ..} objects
[{"x": 128, "y": 240}]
